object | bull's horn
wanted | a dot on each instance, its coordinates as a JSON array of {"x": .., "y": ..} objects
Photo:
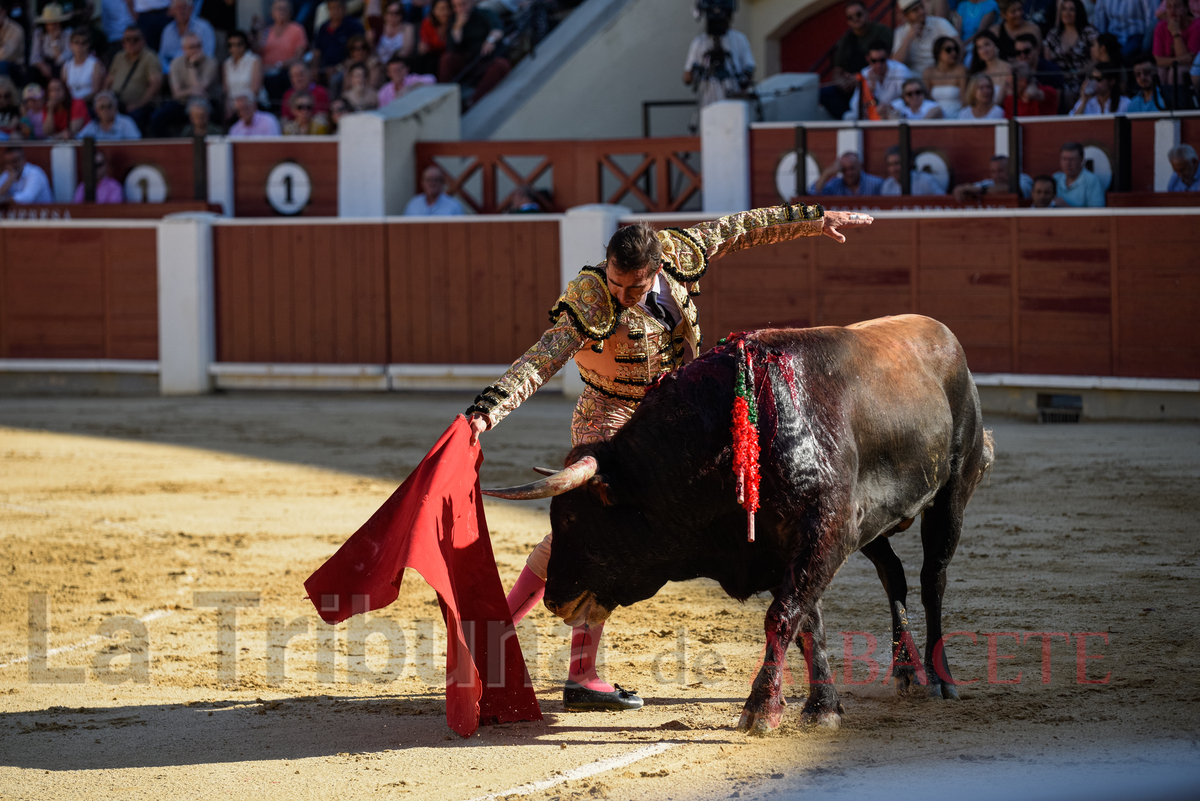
[
  {"x": 563, "y": 481},
  {"x": 545, "y": 471}
]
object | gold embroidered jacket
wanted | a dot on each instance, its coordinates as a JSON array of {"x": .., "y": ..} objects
[{"x": 621, "y": 352}]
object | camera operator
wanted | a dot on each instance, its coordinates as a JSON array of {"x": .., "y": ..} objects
[{"x": 719, "y": 63}]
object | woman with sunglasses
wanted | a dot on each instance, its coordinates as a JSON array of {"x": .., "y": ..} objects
[
  {"x": 1069, "y": 45},
  {"x": 396, "y": 37},
  {"x": 241, "y": 72},
  {"x": 1101, "y": 94},
  {"x": 914, "y": 104},
  {"x": 947, "y": 78}
]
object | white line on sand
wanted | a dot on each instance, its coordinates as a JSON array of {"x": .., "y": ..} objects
[
  {"x": 583, "y": 771},
  {"x": 29, "y": 509},
  {"x": 95, "y": 638}
]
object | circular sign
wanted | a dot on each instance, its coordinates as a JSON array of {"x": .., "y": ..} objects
[
  {"x": 288, "y": 188},
  {"x": 145, "y": 184},
  {"x": 1096, "y": 160},
  {"x": 785, "y": 174},
  {"x": 935, "y": 165}
]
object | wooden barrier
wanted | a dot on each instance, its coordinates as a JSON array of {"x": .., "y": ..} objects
[
  {"x": 658, "y": 179},
  {"x": 78, "y": 293},
  {"x": 471, "y": 292},
  {"x": 254, "y": 158},
  {"x": 1061, "y": 294},
  {"x": 101, "y": 211}
]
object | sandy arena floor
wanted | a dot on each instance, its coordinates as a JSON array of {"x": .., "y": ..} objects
[{"x": 117, "y": 515}]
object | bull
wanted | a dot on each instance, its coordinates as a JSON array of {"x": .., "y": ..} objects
[{"x": 861, "y": 428}]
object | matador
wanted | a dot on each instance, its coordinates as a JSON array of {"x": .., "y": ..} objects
[{"x": 626, "y": 322}]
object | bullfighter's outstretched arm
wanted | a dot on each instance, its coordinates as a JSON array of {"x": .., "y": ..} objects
[{"x": 538, "y": 364}]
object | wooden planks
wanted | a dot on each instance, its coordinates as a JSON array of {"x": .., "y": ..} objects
[
  {"x": 253, "y": 162},
  {"x": 78, "y": 293}
]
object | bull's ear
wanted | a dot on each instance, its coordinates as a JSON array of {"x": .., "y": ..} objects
[{"x": 599, "y": 487}]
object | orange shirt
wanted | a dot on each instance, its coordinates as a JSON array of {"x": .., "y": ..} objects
[{"x": 280, "y": 48}]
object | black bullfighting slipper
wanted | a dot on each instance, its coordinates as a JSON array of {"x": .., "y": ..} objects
[{"x": 577, "y": 698}]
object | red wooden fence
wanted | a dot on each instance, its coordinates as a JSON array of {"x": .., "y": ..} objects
[
  {"x": 660, "y": 179},
  {"x": 78, "y": 293},
  {"x": 472, "y": 292}
]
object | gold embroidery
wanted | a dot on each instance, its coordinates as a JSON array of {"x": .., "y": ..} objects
[{"x": 589, "y": 304}]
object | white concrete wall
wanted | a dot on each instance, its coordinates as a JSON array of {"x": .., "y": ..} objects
[
  {"x": 186, "y": 311},
  {"x": 725, "y": 156},
  {"x": 583, "y": 237},
  {"x": 376, "y": 159}
]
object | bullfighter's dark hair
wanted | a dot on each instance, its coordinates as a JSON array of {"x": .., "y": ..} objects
[{"x": 634, "y": 247}]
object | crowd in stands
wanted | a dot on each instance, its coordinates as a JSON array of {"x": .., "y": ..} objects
[
  {"x": 985, "y": 59},
  {"x": 162, "y": 68}
]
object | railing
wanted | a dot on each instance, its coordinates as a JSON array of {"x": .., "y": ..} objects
[{"x": 647, "y": 175}]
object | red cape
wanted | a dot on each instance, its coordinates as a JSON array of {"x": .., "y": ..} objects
[{"x": 434, "y": 524}]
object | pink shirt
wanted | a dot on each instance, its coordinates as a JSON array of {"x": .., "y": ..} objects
[
  {"x": 387, "y": 92},
  {"x": 261, "y": 124},
  {"x": 1164, "y": 42},
  {"x": 108, "y": 190},
  {"x": 281, "y": 48}
]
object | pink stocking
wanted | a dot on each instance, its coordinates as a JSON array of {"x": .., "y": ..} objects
[
  {"x": 525, "y": 594},
  {"x": 585, "y": 642}
]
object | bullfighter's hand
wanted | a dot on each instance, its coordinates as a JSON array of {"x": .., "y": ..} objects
[
  {"x": 835, "y": 220},
  {"x": 479, "y": 424}
]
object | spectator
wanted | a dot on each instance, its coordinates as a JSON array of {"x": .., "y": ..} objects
[
  {"x": 1147, "y": 97},
  {"x": 33, "y": 112},
  {"x": 1101, "y": 94},
  {"x": 283, "y": 43},
  {"x": 472, "y": 40},
  {"x": 329, "y": 44},
  {"x": 920, "y": 182},
  {"x": 337, "y": 110},
  {"x": 200, "y": 123},
  {"x": 242, "y": 71},
  {"x": 1013, "y": 25},
  {"x": 251, "y": 121},
  {"x": 1076, "y": 186},
  {"x": 61, "y": 117},
  {"x": 913, "y": 41},
  {"x": 1033, "y": 98},
  {"x": 400, "y": 82},
  {"x": 358, "y": 94},
  {"x": 397, "y": 36},
  {"x": 884, "y": 79},
  {"x": 302, "y": 81},
  {"x": 1132, "y": 22},
  {"x": 82, "y": 73},
  {"x": 995, "y": 183},
  {"x": 152, "y": 17},
  {"x": 193, "y": 74},
  {"x": 730, "y": 76},
  {"x": 1044, "y": 190},
  {"x": 434, "y": 30},
  {"x": 1029, "y": 51},
  {"x": 987, "y": 60},
  {"x": 1176, "y": 42},
  {"x": 1183, "y": 162},
  {"x": 185, "y": 22},
  {"x": 523, "y": 201},
  {"x": 981, "y": 100},
  {"x": 115, "y": 18},
  {"x": 913, "y": 104},
  {"x": 109, "y": 124},
  {"x": 108, "y": 189},
  {"x": 947, "y": 78},
  {"x": 51, "y": 46},
  {"x": 433, "y": 200},
  {"x": 136, "y": 76},
  {"x": 850, "y": 57},
  {"x": 976, "y": 16},
  {"x": 12, "y": 46},
  {"x": 846, "y": 177},
  {"x": 357, "y": 52},
  {"x": 1069, "y": 45},
  {"x": 22, "y": 182},
  {"x": 304, "y": 121},
  {"x": 10, "y": 109}
]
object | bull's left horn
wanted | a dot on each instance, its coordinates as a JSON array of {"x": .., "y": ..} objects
[{"x": 563, "y": 481}]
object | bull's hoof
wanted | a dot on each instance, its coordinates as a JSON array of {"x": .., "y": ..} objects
[
  {"x": 943, "y": 691},
  {"x": 759, "y": 722},
  {"x": 825, "y": 714},
  {"x": 906, "y": 680}
]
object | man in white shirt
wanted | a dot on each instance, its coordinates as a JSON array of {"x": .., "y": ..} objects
[
  {"x": 22, "y": 182},
  {"x": 921, "y": 183},
  {"x": 719, "y": 61},
  {"x": 885, "y": 80},
  {"x": 914, "y": 40},
  {"x": 433, "y": 202}
]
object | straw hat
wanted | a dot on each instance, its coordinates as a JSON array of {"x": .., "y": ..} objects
[
  {"x": 53, "y": 12},
  {"x": 32, "y": 90}
]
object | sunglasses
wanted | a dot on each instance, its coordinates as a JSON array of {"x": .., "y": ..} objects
[
  {"x": 855, "y": 16},
  {"x": 1025, "y": 51},
  {"x": 132, "y": 39},
  {"x": 914, "y": 93},
  {"x": 877, "y": 61},
  {"x": 303, "y": 107},
  {"x": 950, "y": 49}
]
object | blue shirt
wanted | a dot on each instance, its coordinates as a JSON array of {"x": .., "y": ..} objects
[
  {"x": 1176, "y": 183},
  {"x": 867, "y": 185},
  {"x": 122, "y": 128},
  {"x": 1139, "y": 103},
  {"x": 444, "y": 206},
  {"x": 1086, "y": 192},
  {"x": 331, "y": 42},
  {"x": 172, "y": 42},
  {"x": 114, "y": 18},
  {"x": 1125, "y": 18}
]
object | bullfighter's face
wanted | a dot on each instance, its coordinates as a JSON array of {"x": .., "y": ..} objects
[{"x": 629, "y": 288}]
